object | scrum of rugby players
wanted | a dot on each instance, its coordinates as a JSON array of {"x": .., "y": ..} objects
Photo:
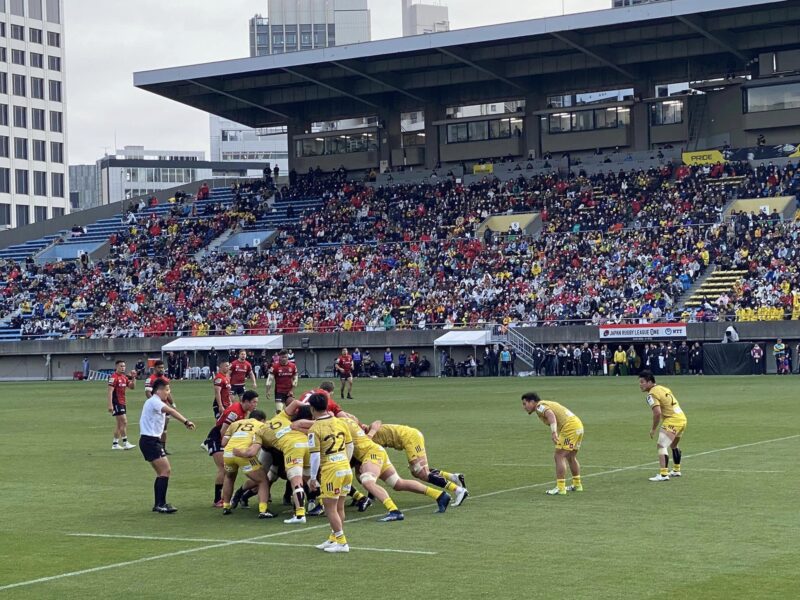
[{"x": 279, "y": 446}]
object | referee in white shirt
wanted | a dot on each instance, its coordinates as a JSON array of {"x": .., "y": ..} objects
[{"x": 151, "y": 426}]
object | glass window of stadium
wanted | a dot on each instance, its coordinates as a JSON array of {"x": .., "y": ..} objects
[
  {"x": 772, "y": 97},
  {"x": 337, "y": 144},
  {"x": 5, "y": 214},
  {"x": 39, "y": 214},
  {"x": 560, "y": 122},
  {"x": 413, "y": 139},
  {"x": 669, "y": 112}
]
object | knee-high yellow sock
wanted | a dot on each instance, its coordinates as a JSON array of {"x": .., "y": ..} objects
[
  {"x": 262, "y": 507},
  {"x": 432, "y": 493},
  {"x": 561, "y": 484},
  {"x": 389, "y": 504},
  {"x": 446, "y": 475}
]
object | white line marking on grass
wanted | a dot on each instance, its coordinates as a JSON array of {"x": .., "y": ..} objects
[
  {"x": 356, "y": 520},
  {"x": 254, "y": 542},
  {"x": 645, "y": 467}
]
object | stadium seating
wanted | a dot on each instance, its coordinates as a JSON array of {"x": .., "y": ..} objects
[{"x": 617, "y": 245}]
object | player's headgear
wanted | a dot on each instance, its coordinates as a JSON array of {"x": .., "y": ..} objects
[
  {"x": 318, "y": 402},
  {"x": 647, "y": 376},
  {"x": 531, "y": 397}
]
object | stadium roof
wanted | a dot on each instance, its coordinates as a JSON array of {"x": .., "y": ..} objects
[{"x": 680, "y": 40}]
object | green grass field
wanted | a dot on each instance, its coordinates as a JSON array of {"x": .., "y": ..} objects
[{"x": 727, "y": 529}]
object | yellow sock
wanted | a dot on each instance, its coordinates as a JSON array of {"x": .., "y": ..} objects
[
  {"x": 676, "y": 468},
  {"x": 339, "y": 537},
  {"x": 331, "y": 537},
  {"x": 389, "y": 504},
  {"x": 432, "y": 493},
  {"x": 663, "y": 471},
  {"x": 561, "y": 484},
  {"x": 446, "y": 475},
  {"x": 451, "y": 487},
  {"x": 357, "y": 495},
  {"x": 262, "y": 507},
  {"x": 576, "y": 480},
  {"x": 300, "y": 512},
  {"x": 226, "y": 505}
]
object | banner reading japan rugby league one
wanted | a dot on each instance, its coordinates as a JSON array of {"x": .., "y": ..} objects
[{"x": 643, "y": 332}]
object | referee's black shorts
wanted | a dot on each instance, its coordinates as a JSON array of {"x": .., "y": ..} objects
[{"x": 151, "y": 447}]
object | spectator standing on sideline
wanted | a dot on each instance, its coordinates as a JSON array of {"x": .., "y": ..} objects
[
  {"x": 779, "y": 353},
  {"x": 505, "y": 362},
  {"x": 683, "y": 358},
  {"x": 388, "y": 362},
  {"x": 85, "y": 368},
  {"x": 151, "y": 427},
  {"x": 757, "y": 355},
  {"x": 213, "y": 361},
  {"x": 357, "y": 360},
  {"x": 513, "y": 362},
  {"x": 620, "y": 360},
  {"x": 696, "y": 359}
]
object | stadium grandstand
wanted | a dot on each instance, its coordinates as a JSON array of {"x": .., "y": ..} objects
[{"x": 608, "y": 203}]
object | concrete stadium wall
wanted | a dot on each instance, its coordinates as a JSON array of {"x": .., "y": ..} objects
[{"x": 27, "y": 360}]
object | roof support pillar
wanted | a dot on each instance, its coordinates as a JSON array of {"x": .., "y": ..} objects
[{"x": 433, "y": 112}]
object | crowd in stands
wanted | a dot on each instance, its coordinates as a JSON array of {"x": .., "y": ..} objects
[{"x": 619, "y": 246}]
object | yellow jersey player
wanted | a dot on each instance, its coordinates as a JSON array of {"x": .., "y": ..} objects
[
  {"x": 669, "y": 414},
  {"x": 412, "y": 442},
  {"x": 242, "y": 441},
  {"x": 566, "y": 430},
  {"x": 331, "y": 447},
  {"x": 294, "y": 447},
  {"x": 375, "y": 464}
]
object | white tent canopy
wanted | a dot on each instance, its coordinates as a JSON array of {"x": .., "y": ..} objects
[
  {"x": 464, "y": 338},
  {"x": 225, "y": 342}
]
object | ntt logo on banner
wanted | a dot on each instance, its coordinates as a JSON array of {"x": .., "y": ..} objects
[{"x": 642, "y": 332}]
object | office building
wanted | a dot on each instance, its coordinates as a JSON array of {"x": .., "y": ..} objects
[
  {"x": 84, "y": 187},
  {"x": 424, "y": 17},
  {"x": 290, "y": 26},
  {"x": 33, "y": 112}
]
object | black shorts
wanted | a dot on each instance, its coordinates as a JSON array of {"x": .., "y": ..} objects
[
  {"x": 281, "y": 397},
  {"x": 344, "y": 377},
  {"x": 238, "y": 390},
  {"x": 214, "y": 441},
  {"x": 118, "y": 409},
  {"x": 151, "y": 447},
  {"x": 215, "y": 408}
]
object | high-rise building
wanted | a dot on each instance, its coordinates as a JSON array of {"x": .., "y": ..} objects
[
  {"x": 84, "y": 187},
  {"x": 424, "y": 17},
  {"x": 290, "y": 26},
  {"x": 33, "y": 112}
]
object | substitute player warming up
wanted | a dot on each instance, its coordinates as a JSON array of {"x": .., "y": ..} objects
[
  {"x": 669, "y": 414},
  {"x": 566, "y": 429}
]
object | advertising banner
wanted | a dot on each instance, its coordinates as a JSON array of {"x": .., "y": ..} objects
[
  {"x": 477, "y": 169},
  {"x": 643, "y": 332}
]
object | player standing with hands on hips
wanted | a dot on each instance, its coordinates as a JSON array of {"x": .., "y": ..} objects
[{"x": 151, "y": 426}]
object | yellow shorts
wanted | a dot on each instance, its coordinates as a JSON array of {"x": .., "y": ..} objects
[
  {"x": 234, "y": 463},
  {"x": 676, "y": 427},
  {"x": 296, "y": 457},
  {"x": 571, "y": 435},
  {"x": 378, "y": 457},
  {"x": 414, "y": 446},
  {"x": 335, "y": 482}
]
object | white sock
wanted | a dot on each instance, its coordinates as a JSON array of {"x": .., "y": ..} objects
[
  {"x": 116, "y": 441},
  {"x": 454, "y": 478}
]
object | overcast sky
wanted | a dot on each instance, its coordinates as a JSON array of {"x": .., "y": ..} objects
[{"x": 107, "y": 41}]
